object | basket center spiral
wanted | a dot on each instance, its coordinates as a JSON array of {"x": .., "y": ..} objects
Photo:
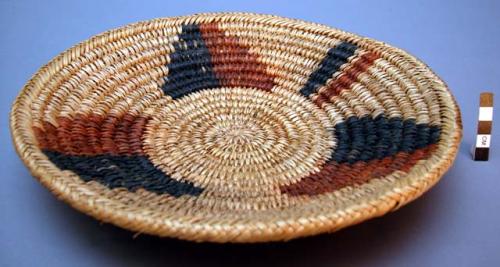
[
  {"x": 235, "y": 136},
  {"x": 239, "y": 141}
]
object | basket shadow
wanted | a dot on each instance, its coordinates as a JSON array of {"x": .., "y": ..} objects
[{"x": 389, "y": 234}]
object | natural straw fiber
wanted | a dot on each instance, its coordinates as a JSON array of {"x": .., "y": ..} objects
[{"x": 235, "y": 127}]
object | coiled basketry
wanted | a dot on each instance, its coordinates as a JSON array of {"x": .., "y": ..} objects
[{"x": 235, "y": 127}]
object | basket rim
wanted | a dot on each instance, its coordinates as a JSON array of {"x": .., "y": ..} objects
[{"x": 21, "y": 136}]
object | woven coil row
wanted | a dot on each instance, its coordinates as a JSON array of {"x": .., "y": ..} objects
[{"x": 235, "y": 127}]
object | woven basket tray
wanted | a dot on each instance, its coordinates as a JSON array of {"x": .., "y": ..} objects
[{"x": 235, "y": 127}]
